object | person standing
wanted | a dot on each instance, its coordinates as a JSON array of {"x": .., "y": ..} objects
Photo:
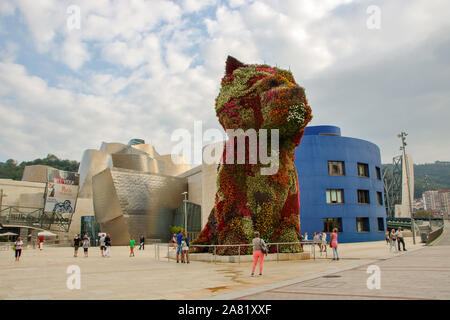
[
  {"x": 399, "y": 235},
  {"x": 102, "y": 244},
  {"x": 324, "y": 241},
  {"x": 41, "y": 243},
  {"x": 132, "y": 243},
  {"x": 259, "y": 249},
  {"x": 108, "y": 246},
  {"x": 185, "y": 248},
  {"x": 334, "y": 244},
  {"x": 18, "y": 248},
  {"x": 392, "y": 241},
  {"x": 387, "y": 237},
  {"x": 76, "y": 245},
  {"x": 179, "y": 248},
  {"x": 141, "y": 242},
  {"x": 86, "y": 245},
  {"x": 306, "y": 236}
]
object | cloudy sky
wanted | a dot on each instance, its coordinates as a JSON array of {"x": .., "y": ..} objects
[{"x": 141, "y": 69}]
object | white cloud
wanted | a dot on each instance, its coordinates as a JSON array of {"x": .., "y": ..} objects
[{"x": 163, "y": 70}]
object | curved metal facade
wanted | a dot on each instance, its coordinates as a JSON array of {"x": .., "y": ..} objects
[{"x": 321, "y": 144}]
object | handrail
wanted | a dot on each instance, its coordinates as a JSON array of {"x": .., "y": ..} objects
[{"x": 312, "y": 243}]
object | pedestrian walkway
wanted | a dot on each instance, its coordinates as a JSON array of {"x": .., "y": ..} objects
[
  {"x": 417, "y": 275},
  {"x": 444, "y": 238},
  {"x": 43, "y": 274}
]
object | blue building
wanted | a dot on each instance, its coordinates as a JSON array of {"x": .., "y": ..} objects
[{"x": 340, "y": 185}]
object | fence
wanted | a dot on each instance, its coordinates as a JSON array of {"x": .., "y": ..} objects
[{"x": 304, "y": 244}]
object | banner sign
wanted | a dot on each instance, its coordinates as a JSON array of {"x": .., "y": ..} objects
[{"x": 62, "y": 191}]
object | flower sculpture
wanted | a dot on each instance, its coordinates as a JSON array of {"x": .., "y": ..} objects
[{"x": 258, "y": 97}]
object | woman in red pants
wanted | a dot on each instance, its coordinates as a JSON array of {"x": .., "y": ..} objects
[{"x": 259, "y": 249}]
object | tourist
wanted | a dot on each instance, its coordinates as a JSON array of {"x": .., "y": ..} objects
[
  {"x": 185, "y": 248},
  {"x": 306, "y": 236},
  {"x": 76, "y": 244},
  {"x": 399, "y": 235},
  {"x": 85, "y": 245},
  {"x": 259, "y": 249},
  {"x": 174, "y": 241},
  {"x": 102, "y": 244},
  {"x": 324, "y": 241},
  {"x": 141, "y": 242},
  {"x": 18, "y": 248},
  {"x": 387, "y": 237},
  {"x": 108, "y": 246},
  {"x": 334, "y": 244},
  {"x": 132, "y": 243},
  {"x": 41, "y": 243},
  {"x": 392, "y": 240},
  {"x": 179, "y": 248},
  {"x": 317, "y": 240}
]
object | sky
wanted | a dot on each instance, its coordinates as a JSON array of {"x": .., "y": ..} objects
[{"x": 76, "y": 73}]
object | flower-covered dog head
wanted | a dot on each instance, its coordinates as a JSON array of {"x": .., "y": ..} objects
[{"x": 262, "y": 97}]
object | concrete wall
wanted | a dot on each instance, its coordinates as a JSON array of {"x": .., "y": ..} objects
[{"x": 32, "y": 193}]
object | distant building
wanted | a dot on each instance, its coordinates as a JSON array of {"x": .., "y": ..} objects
[{"x": 437, "y": 201}]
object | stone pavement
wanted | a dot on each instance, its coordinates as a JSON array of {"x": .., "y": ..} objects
[
  {"x": 42, "y": 274},
  {"x": 417, "y": 275}
]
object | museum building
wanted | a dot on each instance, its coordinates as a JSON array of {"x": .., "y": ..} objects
[{"x": 341, "y": 185}]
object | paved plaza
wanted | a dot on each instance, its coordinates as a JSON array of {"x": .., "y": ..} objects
[{"x": 421, "y": 272}]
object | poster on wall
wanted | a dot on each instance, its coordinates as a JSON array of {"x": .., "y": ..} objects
[{"x": 62, "y": 191}]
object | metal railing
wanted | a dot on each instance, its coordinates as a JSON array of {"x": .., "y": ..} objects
[
  {"x": 33, "y": 217},
  {"x": 214, "y": 248}
]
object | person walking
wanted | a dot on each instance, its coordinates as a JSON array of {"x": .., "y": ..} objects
[
  {"x": 259, "y": 249},
  {"x": 141, "y": 242},
  {"x": 334, "y": 244},
  {"x": 387, "y": 237},
  {"x": 392, "y": 241},
  {"x": 18, "y": 248},
  {"x": 86, "y": 245},
  {"x": 185, "y": 248},
  {"x": 317, "y": 240},
  {"x": 76, "y": 245},
  {"x": 179, "y": 248},
  {"x": 132, "y": 243},
  {"x": 108, "y": 246},
  {"x": 399, "y": 235},
  {"x": 102, "y": 244},
  {"x": 41, "y": 243}
]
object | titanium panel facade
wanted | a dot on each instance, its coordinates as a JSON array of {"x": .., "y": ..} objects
[{"x": 129, "y": 203}]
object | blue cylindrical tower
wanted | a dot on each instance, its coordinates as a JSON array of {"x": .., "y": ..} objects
[{"x": 340, "y": 185}]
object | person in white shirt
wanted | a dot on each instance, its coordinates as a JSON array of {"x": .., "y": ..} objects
[
  {"x": 18, "y": 248},
  {"x": 306, "y": 236},
  {"x": 399, "y": 235},
  {"x": 324, "y": 241},
  {"x": 392, "y": 240}
]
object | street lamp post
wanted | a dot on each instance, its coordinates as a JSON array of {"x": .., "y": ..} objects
[
  {"x": 185, "y": 211},
  {"x": 402, "y": 136}
]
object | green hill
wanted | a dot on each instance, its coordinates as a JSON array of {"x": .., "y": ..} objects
[
  {"x": 12, "y": 170},
  {"x": 438, "y": 177}
]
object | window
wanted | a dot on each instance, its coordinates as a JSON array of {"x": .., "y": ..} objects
[
  {"x": 380, "y": 224},
  {"x": 363, "y": 197},
  {"x": 330, "y": 223},
  {"x": 378, "y": 170},
  {"x": 336, "y": 168},
  {"x": 335, "y": 196},
  {"x": 380, "y": 198},
  {"x": 362, "y": 225},
  {"x": 363, "y": 170}
]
